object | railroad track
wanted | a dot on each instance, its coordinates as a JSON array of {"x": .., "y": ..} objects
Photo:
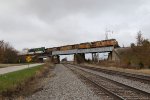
[
  {"x": 135, "y": 77},
  {"x": 116, "y": 90}
]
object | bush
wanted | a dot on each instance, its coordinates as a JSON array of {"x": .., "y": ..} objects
[
  {"x": 141, "y": 65},
  {"x": 88, "y": 60},
  {"x": 129, "y": 63},
  {"x": 132, "y": 45},
  {"x": 149, "y": 67}
]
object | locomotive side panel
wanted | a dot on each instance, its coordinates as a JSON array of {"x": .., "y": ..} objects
[
  {"x": 84, "y": 46},
  {"x": 64, "y": 48},
  {"x": 98, "y": 44},
  {"x": 108, "y": 43},
  {"x": 93, "y": 44},
  {"x": 75, "y": 46},
  {"x": 56, "y": 49},
  {"x": 115, "y": 43},
  {"x": 49, "y": 49},
  {"x": 104, "y": 43}
]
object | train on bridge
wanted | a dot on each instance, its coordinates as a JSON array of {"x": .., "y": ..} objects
[
  {"x": 87, "y": 45},
  {"x": 96, "y": 46}
]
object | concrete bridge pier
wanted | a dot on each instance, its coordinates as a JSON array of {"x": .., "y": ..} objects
[
  {"x": 55, "y": 59},
  {"x": 40, "y": 60},
  {"x": 110, "y": 56},
  {"x": 50, "y": 59},
  {"x": 94, "y": 57},
  {"x": 79, "y": 58}
]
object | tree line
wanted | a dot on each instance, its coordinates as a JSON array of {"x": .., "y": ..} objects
[
  {"x": 7, "y": 53},
  {"x": 139, "y": 54}
]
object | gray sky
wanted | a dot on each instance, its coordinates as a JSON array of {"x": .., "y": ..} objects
[{"x": 38, "y": 23}]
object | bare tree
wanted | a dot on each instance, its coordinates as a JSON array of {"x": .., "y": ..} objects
[
  {"x": 1, "y": 43},
  {"x": 1, "y": 50},
  {"x": 139, "y": 38},
  {"x": 7, "y": 53}
]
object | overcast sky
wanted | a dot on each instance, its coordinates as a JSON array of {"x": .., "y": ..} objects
[{"x": 48, "y": 23}]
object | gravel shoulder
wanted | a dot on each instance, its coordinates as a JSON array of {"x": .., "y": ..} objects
[{"x": 64, "y": 85}]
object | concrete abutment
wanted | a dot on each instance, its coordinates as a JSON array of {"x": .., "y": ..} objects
[{"x": 79, "y": 58}]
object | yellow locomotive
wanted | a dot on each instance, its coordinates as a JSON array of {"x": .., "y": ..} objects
[{"x": 87, "y": 45}]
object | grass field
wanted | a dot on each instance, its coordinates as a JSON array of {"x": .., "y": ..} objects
[{"x": 11, "y": 80}]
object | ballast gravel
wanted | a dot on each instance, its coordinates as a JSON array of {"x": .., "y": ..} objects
[
  {"x": 132, "y": 83},
  {"x": 65, "y": 85}
]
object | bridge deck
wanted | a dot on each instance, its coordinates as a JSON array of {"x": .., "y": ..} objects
[{"x": 91, "y": 50}]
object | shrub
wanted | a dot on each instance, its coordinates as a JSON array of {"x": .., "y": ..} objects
[
  {"x": 141, "y": 65},
  {"x": 149, "y": 67},
  {"x": 129, "y": 63}
]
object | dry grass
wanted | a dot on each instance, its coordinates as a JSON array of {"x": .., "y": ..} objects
[
  {"x": 136, "y": 71},
  {"x": 145, "y": 71},
  {"x": 136, "y": 57}
]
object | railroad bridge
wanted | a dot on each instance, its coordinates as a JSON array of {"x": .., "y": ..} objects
[
  {"x": 79, "y": 54},
  {"x": 79, "y": 50}
]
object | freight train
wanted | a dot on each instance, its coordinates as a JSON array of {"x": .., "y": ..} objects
[{"x": 87, "y": 45}]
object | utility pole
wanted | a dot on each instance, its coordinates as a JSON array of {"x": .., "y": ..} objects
[{"x": 106, "y": 33}]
